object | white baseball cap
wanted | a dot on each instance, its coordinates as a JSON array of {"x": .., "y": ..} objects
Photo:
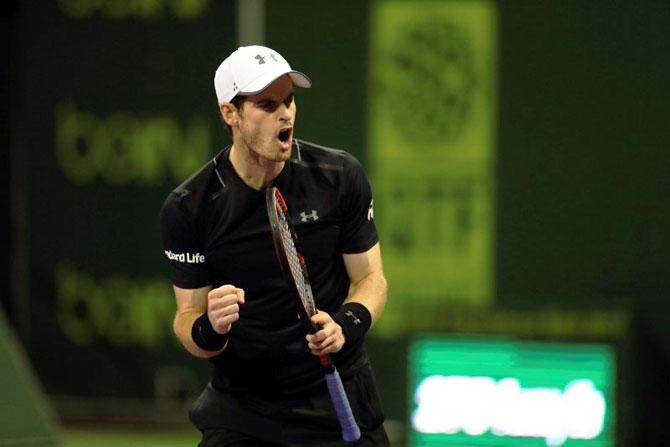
[{"x": 249, "y": 70}]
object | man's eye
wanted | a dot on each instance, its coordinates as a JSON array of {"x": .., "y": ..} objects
[{"x": 268, "y": 106}]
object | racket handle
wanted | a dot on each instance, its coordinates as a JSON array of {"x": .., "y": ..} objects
[{"x": 350, "y": 430}]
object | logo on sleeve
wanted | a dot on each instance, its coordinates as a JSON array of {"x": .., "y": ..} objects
[
  {"x": 186, "y": 258},
  {"x": 371, "y": 213}
]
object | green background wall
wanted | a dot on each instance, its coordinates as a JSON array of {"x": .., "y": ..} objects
[{"x": 583, "y": 163}]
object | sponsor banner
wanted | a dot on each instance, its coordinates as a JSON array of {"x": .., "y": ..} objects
[
  {"x": 483, "y": 392},
  {"x": 432, "y": 131},
  {"x": 116, "y": 109}
]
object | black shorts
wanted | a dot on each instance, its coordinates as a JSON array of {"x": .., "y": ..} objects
[{"x": 226, "y": 420}]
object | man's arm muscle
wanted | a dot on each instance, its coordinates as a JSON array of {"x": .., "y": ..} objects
[{"x": 368, "y": 283}]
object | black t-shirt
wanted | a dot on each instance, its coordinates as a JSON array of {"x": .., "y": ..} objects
[{"x": 215, "y": 231}]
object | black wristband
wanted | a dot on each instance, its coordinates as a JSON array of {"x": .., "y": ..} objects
[
  {"x": 205, "y": 336},
  {"x": 355, "y": 320}
]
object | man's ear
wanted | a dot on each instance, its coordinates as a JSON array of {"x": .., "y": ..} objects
[{"x": 229, "y": 113}]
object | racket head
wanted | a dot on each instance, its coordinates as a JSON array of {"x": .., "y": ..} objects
[{"x": 290, "y": 259}]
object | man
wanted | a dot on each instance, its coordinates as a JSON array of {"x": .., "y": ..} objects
[{"x": 233, "y": 304}]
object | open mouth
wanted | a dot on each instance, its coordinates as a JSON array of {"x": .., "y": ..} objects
[{"x": 284, "y": 135}]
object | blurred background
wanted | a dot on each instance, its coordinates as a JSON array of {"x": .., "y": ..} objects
[{"x": 518, "y": 152}]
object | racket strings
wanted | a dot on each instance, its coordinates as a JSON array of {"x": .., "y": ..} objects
[{"x": 295, "y": 260}]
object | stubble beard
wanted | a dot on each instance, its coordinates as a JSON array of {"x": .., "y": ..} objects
[{"x": 263, "y": 150}]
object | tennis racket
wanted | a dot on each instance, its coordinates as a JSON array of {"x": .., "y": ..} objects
[{"x": 295, "y": 270}]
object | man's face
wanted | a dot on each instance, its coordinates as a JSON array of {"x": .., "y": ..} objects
[{"x": 266, "y": 121}]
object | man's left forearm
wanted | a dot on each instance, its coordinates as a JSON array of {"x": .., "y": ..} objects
[{"x": 370, "y": 291}]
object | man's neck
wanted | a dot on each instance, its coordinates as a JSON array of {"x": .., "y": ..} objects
[{"x": 257, "y": 172}]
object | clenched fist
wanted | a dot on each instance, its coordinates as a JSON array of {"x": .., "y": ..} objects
[{"x": 223, "y": 307}]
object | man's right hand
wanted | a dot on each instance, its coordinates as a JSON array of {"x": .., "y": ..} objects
[{"x": 223, "y": 307}]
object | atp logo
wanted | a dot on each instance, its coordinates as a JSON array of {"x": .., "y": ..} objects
[{"x": 313, "y": 216}]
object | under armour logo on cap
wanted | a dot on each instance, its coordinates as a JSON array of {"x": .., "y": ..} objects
[{"x": 261, "y": 59}]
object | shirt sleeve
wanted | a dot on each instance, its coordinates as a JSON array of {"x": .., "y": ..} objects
[
  {"x": 359, "y": 233},
  {"x": 182, "y": 246}
]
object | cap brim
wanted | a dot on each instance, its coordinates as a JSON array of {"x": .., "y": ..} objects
[{"x": 300, "y": 79}]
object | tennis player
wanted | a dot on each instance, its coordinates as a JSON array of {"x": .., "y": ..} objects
[{"x": 233, "y": 304}]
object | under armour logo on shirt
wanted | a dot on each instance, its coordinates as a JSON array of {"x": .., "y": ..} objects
[{"x": 312, "y": 216}]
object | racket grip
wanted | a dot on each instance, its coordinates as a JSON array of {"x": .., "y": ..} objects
[{"x": 350, "y": 430}]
